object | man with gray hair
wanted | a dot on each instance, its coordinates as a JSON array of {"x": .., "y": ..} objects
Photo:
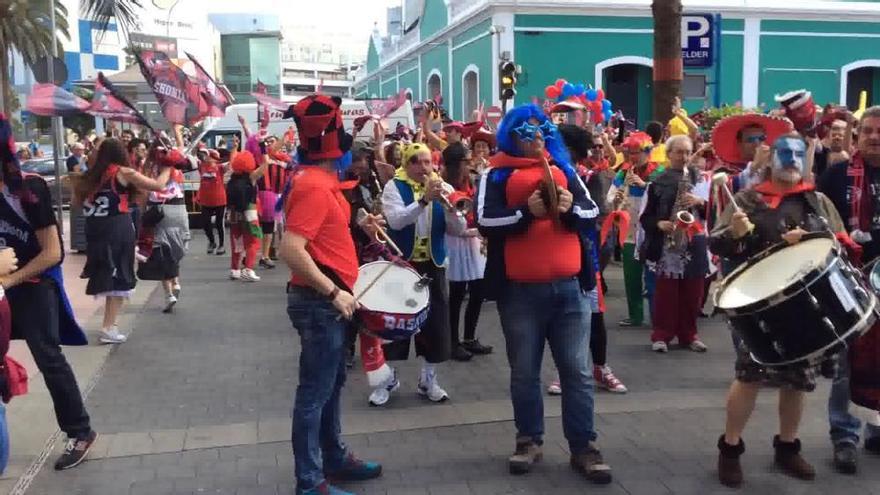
[
  {"x": 854, "y": 187},
  {"x": 676, "y": 246}
]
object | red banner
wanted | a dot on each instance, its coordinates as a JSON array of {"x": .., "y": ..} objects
[
  {"x": 267, "y": 104},
  {"x": 50, "y": 100},
  {"x": 215, "y": 95},
  {"x": 111, "y": 105},
  {"x": 179, "y": 97}
]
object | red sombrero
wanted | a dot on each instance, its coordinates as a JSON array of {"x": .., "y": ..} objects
[
  {"x": 725, "y": 131},
  {"x": 485, "y": 135}
]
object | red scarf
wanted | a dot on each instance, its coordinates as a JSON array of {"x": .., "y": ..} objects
[
  {"x": 859, "y": 198},
  {"x": 773, "y": 196}
]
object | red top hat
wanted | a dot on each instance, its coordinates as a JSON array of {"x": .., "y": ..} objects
[{"x": 799, "y": 108}]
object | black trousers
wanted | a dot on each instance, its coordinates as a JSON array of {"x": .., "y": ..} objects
[
  {"x": 457, "y": 291},
  {"x": 217, "y": 213},
  {"x": 36, "y": 310},
  {"x": 433, "y": 342},
  {"x": 598, "y": 339}
]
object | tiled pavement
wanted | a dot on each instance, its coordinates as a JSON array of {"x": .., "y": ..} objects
[{"x": 199, "y": 402}]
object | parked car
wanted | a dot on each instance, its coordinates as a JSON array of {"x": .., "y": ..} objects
[{"x": 45, "y": 167}]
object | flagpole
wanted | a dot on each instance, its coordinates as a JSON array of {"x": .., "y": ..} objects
[{"x": 56, "y": 121}]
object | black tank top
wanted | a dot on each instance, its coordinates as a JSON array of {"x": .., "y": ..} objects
[{"x": 111, "y": 198}]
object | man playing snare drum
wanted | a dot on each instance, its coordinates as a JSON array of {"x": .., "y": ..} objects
[{"x": 782, "y": 207}]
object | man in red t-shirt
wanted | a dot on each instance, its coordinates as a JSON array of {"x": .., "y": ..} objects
[
  {"x": 212, "y": 198},
  {"x": 318, "y": 247}
]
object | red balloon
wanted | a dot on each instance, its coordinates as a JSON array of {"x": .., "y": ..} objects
[
  {"x": 560, "y": 83},
  {"x": 600, "y": 95},
  {"x": 596, "y": 107},
  {"x": 552, "y": 92},
  {"x": 598, "y": 117}
]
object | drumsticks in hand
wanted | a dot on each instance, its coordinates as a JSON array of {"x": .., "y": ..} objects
[{"x": 720, "y": 180}]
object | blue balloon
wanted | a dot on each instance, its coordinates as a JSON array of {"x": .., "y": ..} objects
[
  {"x": 607, "y": 114},
  {"x": 606, "y": 105},
  {"x": 579, "y": 89},
  {"x": 592, "y": 94},
  {"x": 568, "y": 90}
]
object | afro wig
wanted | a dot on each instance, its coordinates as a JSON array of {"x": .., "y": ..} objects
[{"x": 507, "y": 141}]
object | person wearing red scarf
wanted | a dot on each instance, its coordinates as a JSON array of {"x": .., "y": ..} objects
[{"x": 781, "y": 208}]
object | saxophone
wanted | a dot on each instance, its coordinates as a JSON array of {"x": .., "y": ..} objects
[
  {"x": 621, "y": 197},
  {"x": 681, "y": 217}
]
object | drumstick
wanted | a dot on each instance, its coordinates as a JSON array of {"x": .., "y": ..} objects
[
  {"x": 369, "y": 286},
  {"x": 362, "y": 219},
  {"x": 720, "y": 179}
]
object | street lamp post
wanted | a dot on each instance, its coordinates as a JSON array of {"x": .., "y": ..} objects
[{"x": 56, "y": 121}]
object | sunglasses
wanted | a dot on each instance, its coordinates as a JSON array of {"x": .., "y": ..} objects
[{"x": 759, "y": 138}]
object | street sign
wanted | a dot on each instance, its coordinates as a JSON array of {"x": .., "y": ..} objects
[
  {"x": 494, "y": 115},
  {"x": 698, "y": 40}
]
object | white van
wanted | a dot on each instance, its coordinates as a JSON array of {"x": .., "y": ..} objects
[{"x": 228, "y": 125}]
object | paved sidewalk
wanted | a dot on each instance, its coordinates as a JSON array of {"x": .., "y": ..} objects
[{"x": 199, "y": 402}]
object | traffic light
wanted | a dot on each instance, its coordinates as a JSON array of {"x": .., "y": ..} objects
[{"x": 507, "y": 80}]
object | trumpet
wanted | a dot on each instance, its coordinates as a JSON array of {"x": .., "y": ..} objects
[{"x": 450, "y": 200}]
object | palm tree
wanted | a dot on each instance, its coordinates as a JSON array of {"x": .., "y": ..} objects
[
  {"x": 124, "y": 12},
  {"x": 24, "y": 27},
  {"x": 667, "y": 56}
]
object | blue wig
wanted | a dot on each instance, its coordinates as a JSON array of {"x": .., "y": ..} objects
[{"x": 507, "y": 141}]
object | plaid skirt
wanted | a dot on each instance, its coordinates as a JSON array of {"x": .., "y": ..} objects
[{"x": 798, "y": 376}]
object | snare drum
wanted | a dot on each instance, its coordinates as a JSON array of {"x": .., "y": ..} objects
[
  {"x": 396, "y": 306},
  {"x": 794, "y": 303}
]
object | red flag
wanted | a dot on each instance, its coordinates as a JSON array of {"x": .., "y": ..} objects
[
  {"x": 383, "y": 108},
  {"x": 180, "y": 99},
  {"x": 50, "y": 100},
  {"x": 216, "y": 95},
  {"x": 267, "y": 105},
  {"x": 261, "y": 88},
  {"x": 111, "y": 105}
]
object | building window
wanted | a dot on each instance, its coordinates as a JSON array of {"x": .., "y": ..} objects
[
  {"x": 693, "y": 86},
  {"x": 470, "y": 93},
  {"x": 435, "y": 86}
]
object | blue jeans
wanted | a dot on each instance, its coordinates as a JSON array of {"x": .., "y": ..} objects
[
  {"x": 559, "y": 313},
  {"x": 317, "y": 442},
  {"x": 4, "y": 440},
  {"x": 844, "y": 426}
]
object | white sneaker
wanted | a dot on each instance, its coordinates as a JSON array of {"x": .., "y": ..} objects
[
  {"x": 554, "y": 388},
  {"x": 169, "y": 306},
  {"x": 382, "y": 394},
  {"x": 234, "y": 274},
  {"x": 248, "y": 275},
  {"x": 698, "y": 346},
  {"x": 659, "y": 346},
  {"x": 432, "y": 391},
  {"x": 111, "y": 336}
]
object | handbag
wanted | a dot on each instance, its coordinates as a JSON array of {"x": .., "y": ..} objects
[
  {"x": 154, "y": 267},
  {"x": 13, "y": 379},
  {"x": 153, "y": 216}
]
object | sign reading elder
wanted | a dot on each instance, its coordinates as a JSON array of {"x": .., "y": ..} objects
[{"x": 697, "y": 40}]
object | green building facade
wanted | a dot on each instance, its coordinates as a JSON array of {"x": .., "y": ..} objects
[
  {"x": 767, "y": 47},
  {"x": 248, "y": 57}
]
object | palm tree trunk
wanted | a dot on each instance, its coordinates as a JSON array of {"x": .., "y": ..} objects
[
  {"x": 4, "y": 76},
  {"x": 667, "y": 56}
]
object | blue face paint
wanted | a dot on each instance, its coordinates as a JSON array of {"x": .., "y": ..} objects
[{"x": 789, "y": 153}]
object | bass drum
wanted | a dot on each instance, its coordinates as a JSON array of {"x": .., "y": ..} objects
[
  {"x": 394, "y": 300},
  {"x": 797, "y": 303}
]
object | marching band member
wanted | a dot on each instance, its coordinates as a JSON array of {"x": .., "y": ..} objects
[
  {"x": 318, "y": 248},
  {"x": 631, "y": 181},
  {"x": 418, "y": 223},
  {"x": 539, "y": 269},
  {"x": 678, "y": 252},
  {"x": 782, "y": 207},
  {"x": 854, "y": 187}
]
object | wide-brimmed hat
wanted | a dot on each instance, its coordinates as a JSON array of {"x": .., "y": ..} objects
[
  {"x": 485, "y": 135},
  {"x": 567, "y": 106},
  {"x": 724, "y": 134}
]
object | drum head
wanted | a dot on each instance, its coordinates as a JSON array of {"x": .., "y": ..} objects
[
  {"x": 394, "y": 292},
  {"x": 774, "y": 273}
]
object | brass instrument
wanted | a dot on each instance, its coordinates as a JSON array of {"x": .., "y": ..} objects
[
  {"x": 680, "y": 217},
  {"x": 549, "y": 192},
  {"x": 461, "y": 206},
  {"x": 621, "y": 198}
]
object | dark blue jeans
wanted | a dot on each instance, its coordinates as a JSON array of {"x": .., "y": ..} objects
[
  {"x": 317, "y": 442},
  {"x": 558, "y": 313},
  {"x": 844, "y": 426}
]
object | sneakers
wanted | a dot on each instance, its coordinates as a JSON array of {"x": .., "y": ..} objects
[
  {"x": 554, "y": 388},
  {"x": 605, "y": 379},
  {"x": 788, "y": 458},
  {"x": 659, "y": 346},
  {"x": 845, "y": 458},
  {"x": 220, "y": 251},
  {"x": 267, "y": 263},
  {"x": 211, "y": 248},
  {"x": 429, "y": 388},
  {"x": 475, "y": 347},
  {"x": 75, "y": 451},
  {"x": 628, "y": 323},
  {"x": 248, "y": 275},
  {"x": 234, "y": 274},
  {"x": 354, "y": 469},
  {"x": 169, "y": 305},
  {"x": 382, "y": 394},
  {"x": 176, "y": 290},
  {"x": 698, "y": 346},
  {"x": 729, "y": 469},
  {"x": 591, "y": 464},
  {"x": 525, "y": 456},
  {"x": 323, "y": 489},
  {"x": 460, "y": 354},
  {"x": 111, "y": 336}
]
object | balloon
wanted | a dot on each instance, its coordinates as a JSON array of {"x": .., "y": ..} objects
[
  {"x": 582, "y": 100},
  {"x": 596, "y": 107},
  {"x": 560, "y": 83},
  {"x": 579, "y": 89},
  {"x": 598, "y": 117},
  {"x": 591, "y": 94},
  {"x": 568, "y": 90},
  {"x": 606, "y": 105},
  {"x": 552, "y": 92},
  {"x": 600, "y": 94},
  {"x": 608, "y": 114}
]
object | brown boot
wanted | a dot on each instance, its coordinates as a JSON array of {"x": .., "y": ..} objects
[
  {"x": 527, "y": 453},
  {"x": 788, "y": 458},
  {"x": 591, "y": 464},
  {"x": 729, "y": 470}
]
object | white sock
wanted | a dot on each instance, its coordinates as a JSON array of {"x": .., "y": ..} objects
[{"x": 428, "y": 373}]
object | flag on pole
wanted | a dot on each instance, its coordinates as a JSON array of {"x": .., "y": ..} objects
[
  {"x": 180, "y": 99},
  {"x": 109, "y": 104},
  {"x": 49, "y": 100},
  {"x": 266, "y": 104},
  {"x": 216, "y": 96}
]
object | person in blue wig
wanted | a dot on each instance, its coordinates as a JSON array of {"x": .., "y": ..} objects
[
  {"x": 539, "y": 269},
  {"x": 41, "y": 313}
]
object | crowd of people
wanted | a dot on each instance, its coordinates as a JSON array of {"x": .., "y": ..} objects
[{"x": 529, "y": 215}]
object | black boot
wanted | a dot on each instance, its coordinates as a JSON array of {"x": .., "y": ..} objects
[
  {"x": 729, "y": 469},
  {"x": 788, "y": 458}
]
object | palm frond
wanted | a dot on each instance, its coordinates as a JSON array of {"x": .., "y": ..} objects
[{"x": 103, "y": 12}]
